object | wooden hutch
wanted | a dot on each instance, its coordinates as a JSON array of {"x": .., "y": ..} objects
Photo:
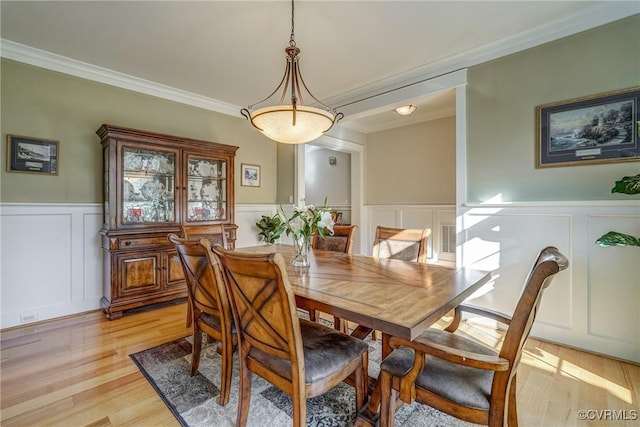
[{"x": 153, "y": 184}]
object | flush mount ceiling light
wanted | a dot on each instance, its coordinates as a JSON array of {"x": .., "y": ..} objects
[
  {"x": 405, "y": 110},
  {"x": 293, "y": 123}
]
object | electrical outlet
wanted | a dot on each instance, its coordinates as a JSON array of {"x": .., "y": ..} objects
[{"x": 25, "y": 318}]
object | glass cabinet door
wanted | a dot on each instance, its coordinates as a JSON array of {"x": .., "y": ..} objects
[
  {"x": 206, "y": 189},
  {"x": 148, "y": 193}
]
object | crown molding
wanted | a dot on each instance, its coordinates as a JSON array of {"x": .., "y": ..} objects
[
  {"x": 595, "y": 16},
  {"x": 599, "y": 14},
  {"x": 51, "y": 61}
]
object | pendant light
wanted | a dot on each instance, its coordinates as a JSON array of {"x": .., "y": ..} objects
[{"x": 293, "y": 123}]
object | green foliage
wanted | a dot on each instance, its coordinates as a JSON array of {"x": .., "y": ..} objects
[
  {"x": 627, "y": 185},
  {"x": 614, "y": 238},
  {"x": 271, "y": 227}
]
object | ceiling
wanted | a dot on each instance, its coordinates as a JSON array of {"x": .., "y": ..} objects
[{"x": 224, "y": 55}]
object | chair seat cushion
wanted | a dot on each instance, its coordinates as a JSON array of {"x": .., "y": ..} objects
[
  {"x": 464, "y": 385},
  {"x": 326, "y": 351}
]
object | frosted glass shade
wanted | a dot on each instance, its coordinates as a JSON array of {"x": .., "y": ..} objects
[{"x": 276, "y": 122}]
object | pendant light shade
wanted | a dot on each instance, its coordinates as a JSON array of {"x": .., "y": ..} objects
[
  {"x": 277, "y": 123},
  {"x": 294, "y": 122}
]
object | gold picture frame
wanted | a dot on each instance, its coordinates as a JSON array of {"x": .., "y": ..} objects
[{"x": 602, "y": 128}]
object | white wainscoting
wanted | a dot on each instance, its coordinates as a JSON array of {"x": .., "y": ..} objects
[
  {"x": 51, "y": 259},
  {"x": 412, "y": 216},
  {"x": 595, "y": 303}
]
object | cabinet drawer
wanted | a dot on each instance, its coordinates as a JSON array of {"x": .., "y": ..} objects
[{"x": 138, "y": 242}]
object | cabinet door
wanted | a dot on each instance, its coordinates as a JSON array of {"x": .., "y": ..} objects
[
  {"x": 148, "y": 185},
  {"x": 206, "y": 188},
  {"x": 139, "y": 273},
  {"x": 175, "y": 273}
]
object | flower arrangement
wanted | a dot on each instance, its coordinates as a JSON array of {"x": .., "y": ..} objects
[{"x": 303, "y": 223}]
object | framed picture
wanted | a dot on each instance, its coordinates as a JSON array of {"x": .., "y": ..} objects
[
  {"x": 602, "y": 128},
  {"x": 250, "y": 175},
  {"x": 32, "y": 155}
]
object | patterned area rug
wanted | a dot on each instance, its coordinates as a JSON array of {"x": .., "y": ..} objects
[{"x": 193, "y": 400}]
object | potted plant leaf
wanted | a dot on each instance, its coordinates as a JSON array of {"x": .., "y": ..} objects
[
  {"x": 627, "y": 185},
  {"x": 271, "y": 227}
]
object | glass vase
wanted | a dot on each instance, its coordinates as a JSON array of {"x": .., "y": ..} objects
[{"x": 301, "y": 244}]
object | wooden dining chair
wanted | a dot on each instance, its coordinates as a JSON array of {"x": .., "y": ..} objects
[
  {"x": 210, "y": 309},
  {"x": 340, "y": 241},
  {"x": 459, "y": 376},
  {"x": 214, "y": 233},
  {"x": 408, "y": 244},
  {"x": 302, "y": 358}
]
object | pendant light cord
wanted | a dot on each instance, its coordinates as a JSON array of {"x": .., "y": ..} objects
[{"x": 292, "y": 39}]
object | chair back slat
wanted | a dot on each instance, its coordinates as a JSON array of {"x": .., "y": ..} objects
[
  {"x": 549, "y": 262},
  {"x": 205, "y": 282},
  {"x": 264, "y": 305},
  {"x": 214, "y": 233},
  {"x": 340, "y": 241},
  {"x": 406, "y": 244}
]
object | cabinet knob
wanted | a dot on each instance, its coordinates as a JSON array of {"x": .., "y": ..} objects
[{"x": 127, "y": 243}]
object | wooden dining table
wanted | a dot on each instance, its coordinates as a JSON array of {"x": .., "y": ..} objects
[
  {"x": 398, "y": 298},
  {"x": 395, "y": 297}
]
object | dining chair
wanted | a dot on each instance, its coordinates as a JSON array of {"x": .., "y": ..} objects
[
  {"x": 214, "y": 233},
  {"x": 210, "y": 308},
  {"x": 300, "y": 357},
  {"x": 408, "y": 244},
  {"x": 340, "y": 241},
  {"x": 459, "y": 376}
]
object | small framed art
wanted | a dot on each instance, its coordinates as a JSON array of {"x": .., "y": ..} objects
[
  {"x": 32, "y": 155},
  {"x": 601, "y": 128},
  {"x": 250, "y": 175}
]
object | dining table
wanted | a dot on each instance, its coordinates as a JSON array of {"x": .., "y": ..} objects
[
  {"x": 395, "y": 297},
  {"x": 398, "y": 298}
]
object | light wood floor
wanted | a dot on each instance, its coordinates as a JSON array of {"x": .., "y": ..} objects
[{"x": 76, "y": 371}]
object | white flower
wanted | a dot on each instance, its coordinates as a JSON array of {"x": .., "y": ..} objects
[
  {"x": 307, "y": 219},
  {"x": 296, "y": 224},
  {"x": 326, "y": 221}
]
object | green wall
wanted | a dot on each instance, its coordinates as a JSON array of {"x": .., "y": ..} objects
[
  {"x": 51, "y": 105},
  {"x": 413, "y": 164},
  {"x": 502, "y": 96}
]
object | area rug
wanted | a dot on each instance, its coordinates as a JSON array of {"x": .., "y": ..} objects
[{"x": 193, "y": 400}]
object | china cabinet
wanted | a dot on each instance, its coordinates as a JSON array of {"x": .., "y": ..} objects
[{"x": 153, "y": 184}]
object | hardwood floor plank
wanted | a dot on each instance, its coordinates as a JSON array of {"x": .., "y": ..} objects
[{"x": 76, "y": 371}]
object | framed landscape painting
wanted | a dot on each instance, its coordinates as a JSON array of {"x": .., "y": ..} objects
[
  {"x": 250, "y": 175},
  {"x": 601, "y": 128},
  {"x": 32, "y": 155}
]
